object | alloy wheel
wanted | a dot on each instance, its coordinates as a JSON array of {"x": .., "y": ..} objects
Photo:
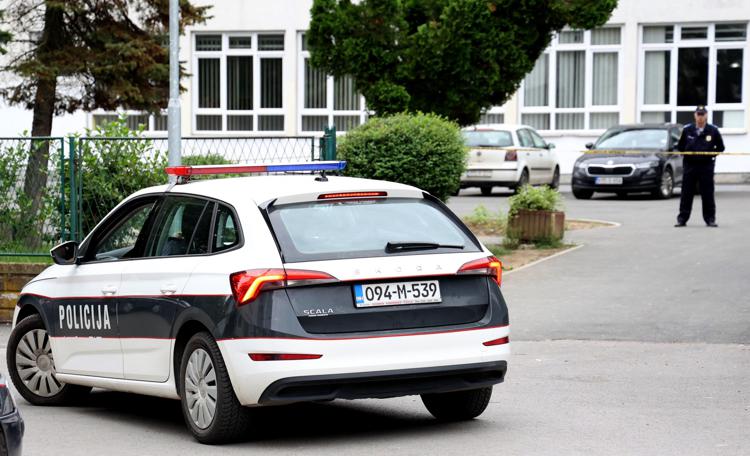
[
  {"x": 35, "y": 364},
  {"x": 667, "y": 184}
]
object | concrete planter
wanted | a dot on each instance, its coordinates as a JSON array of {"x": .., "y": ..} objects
[{"x": 537, "y": 225}]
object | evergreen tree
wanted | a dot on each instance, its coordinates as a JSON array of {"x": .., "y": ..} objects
[
  {"x": 450, "y": 57},
  {"x": 68, "y": 55}
]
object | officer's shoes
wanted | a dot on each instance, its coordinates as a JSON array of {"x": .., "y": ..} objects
[
  {"x": 679, "y": 224},
  {"x": 712, "y": 225}
]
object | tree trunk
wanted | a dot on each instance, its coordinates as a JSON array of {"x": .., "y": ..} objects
[{"x": 35, "y": 179}]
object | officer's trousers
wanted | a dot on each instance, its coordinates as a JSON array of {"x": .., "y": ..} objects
[{"x": 703, "y": 175}]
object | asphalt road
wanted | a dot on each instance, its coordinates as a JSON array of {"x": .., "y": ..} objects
[{"x": 636, "y": 343}]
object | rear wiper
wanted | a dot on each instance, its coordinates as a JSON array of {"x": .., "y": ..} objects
[{"x": 393, "y": 247}]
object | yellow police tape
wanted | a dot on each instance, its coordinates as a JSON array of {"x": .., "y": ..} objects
[
  {"x": 641, "y": 152},
  {"x": 613, "y": 151}
]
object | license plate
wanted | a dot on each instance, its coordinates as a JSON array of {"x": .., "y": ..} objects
[
  {"x": 609, "y": 180},
  {"x": 396, "y": 293},
  {"x": 479, "y": 173}
]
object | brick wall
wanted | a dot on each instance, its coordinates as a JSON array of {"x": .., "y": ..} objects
[{"x": 13, "y": 276}]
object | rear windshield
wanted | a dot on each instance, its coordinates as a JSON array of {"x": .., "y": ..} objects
[
  {"x": 634, "y": 139},
  {"x": 488, "y": 138},
  {"x": 363, "y": 228}
]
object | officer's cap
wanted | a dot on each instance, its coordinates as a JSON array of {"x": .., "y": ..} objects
[{"x": 701, "y": 109}]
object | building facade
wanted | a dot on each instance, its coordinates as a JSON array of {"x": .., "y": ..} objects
[{"x": 652, "y": 62}]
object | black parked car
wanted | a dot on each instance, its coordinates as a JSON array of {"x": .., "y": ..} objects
[
  {"x": 11, "y": 423},
  {"x": 642, "y": 167}
]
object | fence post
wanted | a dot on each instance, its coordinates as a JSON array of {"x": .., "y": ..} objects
[
  {"x": 63, "y": 232},
  {"x": 73, "y": 189},
  {"x": 329, "y": 143}
]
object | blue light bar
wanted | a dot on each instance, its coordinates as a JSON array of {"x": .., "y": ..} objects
[
  {"x": 202, "y": 170},
  {"x": 311, "y": 166}
]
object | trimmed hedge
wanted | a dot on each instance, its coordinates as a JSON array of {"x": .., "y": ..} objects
[{"x": 423, "y": 150}]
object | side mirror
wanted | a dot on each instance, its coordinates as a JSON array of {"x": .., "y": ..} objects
[
  {"x": 590, "y": 146},
  {"x": 65, "y": 253},
  {"x": 550, "y": 146}
]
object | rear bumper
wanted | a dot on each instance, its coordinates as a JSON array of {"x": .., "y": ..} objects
[
  {"x": 385, "y": 384},
  {"x": 499, "y": 177},
  {"x": 402, "y": 365}
]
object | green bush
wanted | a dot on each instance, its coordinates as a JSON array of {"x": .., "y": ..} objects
[
  {"x": 534, "y": 199},
  {"x": 423, "y": 150},
  {"x": 111, "y": 169}
]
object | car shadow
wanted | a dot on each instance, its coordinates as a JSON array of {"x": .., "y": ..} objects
[{"x": 286, "y": 424}]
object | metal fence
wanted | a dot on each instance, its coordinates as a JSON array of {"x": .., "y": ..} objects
[{"x": 64, "y": 198}]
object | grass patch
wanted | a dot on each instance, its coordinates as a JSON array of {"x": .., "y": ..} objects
[
  {"x": 26, "y": 259},
  {"x": 484, "y": 222}
]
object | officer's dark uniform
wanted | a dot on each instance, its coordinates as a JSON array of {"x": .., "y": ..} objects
[{"x": 699, "y": 169}]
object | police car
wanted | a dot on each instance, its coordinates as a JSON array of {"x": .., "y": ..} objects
[{"x": 267, "y": 289}]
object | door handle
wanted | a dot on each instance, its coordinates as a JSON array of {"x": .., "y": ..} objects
[
  {"x": 109, "y": 290},
  {"x": 168, "y": 289}
]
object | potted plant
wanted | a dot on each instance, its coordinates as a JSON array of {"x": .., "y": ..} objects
[{"x": 534, "y": 215}]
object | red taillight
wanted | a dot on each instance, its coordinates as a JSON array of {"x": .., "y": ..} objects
[
  {"x": 511, "y": 156},
  {"x": 490, "y": 266},
  {"x": 281, "y": 356},
  {"x": 351, "y": 195},
  {"x": 247, "y": 285},
  {"x": 500, "y": 341}
]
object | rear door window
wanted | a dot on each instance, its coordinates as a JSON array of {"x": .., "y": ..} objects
[
  {"x": 180, "y": 226},
  {"x": 362, "y": 228}
]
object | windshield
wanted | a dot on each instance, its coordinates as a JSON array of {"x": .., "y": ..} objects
[
  {"x": 634, "y": 139},
  {"x": 364, "y": 228},
  {"x": 488, "y": 138}
]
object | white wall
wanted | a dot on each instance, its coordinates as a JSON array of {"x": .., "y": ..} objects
[{"x": 292, "y": 16}]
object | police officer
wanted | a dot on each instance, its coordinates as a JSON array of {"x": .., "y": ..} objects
[{"x": 699, "y": 137}]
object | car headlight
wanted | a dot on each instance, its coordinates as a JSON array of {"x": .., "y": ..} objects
[
  {"x": 647, "y": 164},
  {"x": 581, "y": 165}
]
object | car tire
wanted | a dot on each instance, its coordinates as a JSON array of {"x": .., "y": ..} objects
[
  {"x": 621, "y": 194},
  {"x": 555, "y": 184},
  {"x": 458, "y": 405},
  {"x": 580, "y": 193},
  {"x": 486, "y": 190},
  {"x": 666, "y": 185},
  {"x": 204, "y": 379},
  {"x": 32, "y": 366},
  {"x": 522, "y": 180}
]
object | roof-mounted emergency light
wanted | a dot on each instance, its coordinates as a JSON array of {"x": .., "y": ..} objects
[{"x": 187, "y": 171}]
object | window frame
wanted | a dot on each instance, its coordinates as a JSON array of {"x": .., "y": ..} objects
[
  {"x": 329, "y": 111},
  {"x": 588, "y": 107},
  {"x": 223, "y": 110},
  {"x": 673, "y": 49}
]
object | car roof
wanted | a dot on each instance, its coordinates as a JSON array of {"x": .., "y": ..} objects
[
  {"x": 269, "y": 187},
  {"x": 492, "y": 127},
  {"x": 644, "y": 126}
]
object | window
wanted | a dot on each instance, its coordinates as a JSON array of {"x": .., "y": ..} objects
[
  {"x": 135, "y": 120},
  {"x": 314, "y": 231},
  {"x": 326, "y": 100},
  {"x": 238, "y": 83},
  {"x": 574, "y": 85},
  {"x": 182, "y": 228},
  {"x": 226, "y": 231},
  {"x": 120, "y": 237},
  {"x": 684, "y": 66},
  {"x": 484, "y": 138}
]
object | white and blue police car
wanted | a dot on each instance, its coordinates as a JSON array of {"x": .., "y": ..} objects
[{"x": 267, "y": 289}]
